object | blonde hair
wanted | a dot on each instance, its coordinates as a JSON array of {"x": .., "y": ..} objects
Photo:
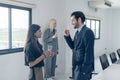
[{"x": 50, "y": 25}]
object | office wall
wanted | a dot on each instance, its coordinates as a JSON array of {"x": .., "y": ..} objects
[
  {"x": 112, "y": 29},
  {"x": 12, "y": 67},
  {"x": 115, "y": 27}
]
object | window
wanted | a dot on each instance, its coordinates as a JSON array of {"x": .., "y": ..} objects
[
  {"x": 20, "y": 19},
  {"x": 4, "y": 28},
  {"x": 94, "y": 24},
  {"x": 14, "y": 23}
]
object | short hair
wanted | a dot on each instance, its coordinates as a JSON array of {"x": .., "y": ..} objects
[{"x": 79, "y": 14}]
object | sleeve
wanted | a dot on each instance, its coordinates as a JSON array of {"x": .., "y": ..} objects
[
  {"x": 30, "y": 54},
  {"x": 46, "y": 36},
  {"x": 89, "y": 51},
  {"x": 69, "y": 41}
]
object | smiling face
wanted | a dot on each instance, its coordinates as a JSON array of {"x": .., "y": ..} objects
[{"x": 76, "y": 23}]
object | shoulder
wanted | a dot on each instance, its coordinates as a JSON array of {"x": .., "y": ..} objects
[
  {"x": 47, "y": 30},
  {"x": 87, "y": 30},
  {"x": 29, "y": 46}
]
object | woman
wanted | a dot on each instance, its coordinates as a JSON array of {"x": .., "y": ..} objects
[
  {"x": 50, "y": 41},
  {"x": 34, "y": 53}
]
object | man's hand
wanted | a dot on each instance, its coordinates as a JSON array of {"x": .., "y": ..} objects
[{"x": 66, "y": 32}]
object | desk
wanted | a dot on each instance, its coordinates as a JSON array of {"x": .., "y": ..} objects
[
  {"x": 111, "y": 73},
  {"x": 117, "y": 62}
]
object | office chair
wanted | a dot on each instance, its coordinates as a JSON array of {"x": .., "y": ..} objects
[
  {"x": 113, "y": 57},
  {"x": 118, "y": 52},
  {"x": 104, "y": 61}
]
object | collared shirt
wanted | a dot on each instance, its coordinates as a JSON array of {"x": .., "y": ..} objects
[{"x": 79, "y": 29}]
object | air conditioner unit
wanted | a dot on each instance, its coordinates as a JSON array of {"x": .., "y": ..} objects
[
  {"x": 108, "y": 3},
  {"x": 99, "y": 4}
]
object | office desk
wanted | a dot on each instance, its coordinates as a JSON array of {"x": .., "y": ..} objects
[
  {"x": 111, "y": 73},
  {"x": 117, "y": 62}
]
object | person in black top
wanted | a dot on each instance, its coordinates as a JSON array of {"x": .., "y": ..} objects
[{"x": 34, "y": 54}]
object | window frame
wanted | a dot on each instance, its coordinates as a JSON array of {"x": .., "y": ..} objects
[
  {"x": 20, "y": 49},
  {"x": 95, "y": 26}
]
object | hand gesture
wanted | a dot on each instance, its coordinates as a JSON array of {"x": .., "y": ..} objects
[{"x": 66, "y": 32}]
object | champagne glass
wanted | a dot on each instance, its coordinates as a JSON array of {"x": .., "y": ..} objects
[{"x": 50, "y": 47}]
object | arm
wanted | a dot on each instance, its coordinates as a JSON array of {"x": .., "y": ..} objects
[
  {"x": 30, "y": 57},
  {"x": 69, "y": 41},
  {"x": 89, "y": 50},
  {"x": 37, "y": 60},
  {"x": 46, "y": 36}
]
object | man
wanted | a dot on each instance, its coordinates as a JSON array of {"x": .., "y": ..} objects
[{"x": 82, "y": 46}]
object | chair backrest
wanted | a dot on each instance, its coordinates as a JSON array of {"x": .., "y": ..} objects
[
  {"x": 118, "y": 52},
  {"x": 104, "y": 61},
  {"x": 113, "y": 57}
]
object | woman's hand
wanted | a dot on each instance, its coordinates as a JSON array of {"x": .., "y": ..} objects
[
  {"x": 48, "y": 54},
  {"x": 54, "y": 36}
]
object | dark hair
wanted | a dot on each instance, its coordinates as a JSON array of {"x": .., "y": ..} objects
[
  {"x": 78, "y": 14},
  {"x": 31, "y": 37}
]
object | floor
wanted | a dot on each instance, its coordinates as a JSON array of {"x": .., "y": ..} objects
[{"x": 62, "y": 77}]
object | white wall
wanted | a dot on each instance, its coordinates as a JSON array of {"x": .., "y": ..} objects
[
  {"x": 115, "y": 29},
  {"x": 112, "y": 29},
  {"x": 12, "y": 67}
]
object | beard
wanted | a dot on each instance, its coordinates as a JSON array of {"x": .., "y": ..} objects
[{"x": 76, "y": 26}]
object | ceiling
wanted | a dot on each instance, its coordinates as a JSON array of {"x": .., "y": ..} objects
[{"x": 94, "y": 3}]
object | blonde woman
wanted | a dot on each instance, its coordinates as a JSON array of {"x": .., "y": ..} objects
[{"x": 50, "y": 43}]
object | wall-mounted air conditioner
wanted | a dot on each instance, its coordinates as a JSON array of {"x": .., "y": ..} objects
[{"x": 99, "y": 4}]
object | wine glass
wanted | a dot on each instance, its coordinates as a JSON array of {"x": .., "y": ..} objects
[{"x": 50, "y": 47}]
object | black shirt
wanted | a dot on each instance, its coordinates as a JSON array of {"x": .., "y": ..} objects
[{"x": 31, "y": 54}]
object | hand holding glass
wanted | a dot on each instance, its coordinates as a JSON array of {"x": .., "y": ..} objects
[{"x": 50, "y": 47}]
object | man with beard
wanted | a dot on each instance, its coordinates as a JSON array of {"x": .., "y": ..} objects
[{"x": 82, "y": 46}]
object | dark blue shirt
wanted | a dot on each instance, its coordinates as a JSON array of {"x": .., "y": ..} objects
[{"x": 31, "y": 54}]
